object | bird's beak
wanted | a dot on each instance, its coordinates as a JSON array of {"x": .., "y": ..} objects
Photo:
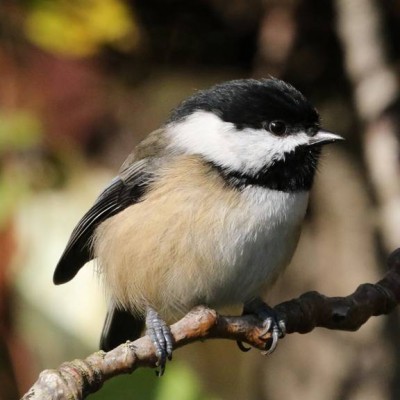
[{"x": 324, "y": 137}]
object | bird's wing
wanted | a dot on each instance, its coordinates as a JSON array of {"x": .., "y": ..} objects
[{"x": 124, "y": 190}]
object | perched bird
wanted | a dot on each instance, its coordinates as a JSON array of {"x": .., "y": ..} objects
[{"x": 207, "y": 210}]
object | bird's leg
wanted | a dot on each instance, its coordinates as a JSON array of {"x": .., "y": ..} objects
[
  {"x": 271, "y": 321},
  {"x": 160, "y": 335}
]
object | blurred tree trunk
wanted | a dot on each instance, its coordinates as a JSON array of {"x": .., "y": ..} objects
[{"x": 376, "y": 96}]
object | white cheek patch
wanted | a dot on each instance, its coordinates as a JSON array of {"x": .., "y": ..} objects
[{"x": 248, "y": 150}]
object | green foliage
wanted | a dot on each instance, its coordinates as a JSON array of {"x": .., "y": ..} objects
[
  {"x": 140, "y": 385},
  {"x": 178, "y": 383},
  {"x": 18, "y": 131}
]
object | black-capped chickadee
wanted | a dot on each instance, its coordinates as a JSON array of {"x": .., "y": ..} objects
[{"x": 207, "y": 210}]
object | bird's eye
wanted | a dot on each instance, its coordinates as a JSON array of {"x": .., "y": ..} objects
[{"x": 277, "y": 128}]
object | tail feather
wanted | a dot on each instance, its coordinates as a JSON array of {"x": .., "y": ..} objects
[{"x": 120, "y": 326}]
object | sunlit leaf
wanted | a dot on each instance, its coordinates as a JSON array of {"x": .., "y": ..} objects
[{"x": 81, "y": 27}]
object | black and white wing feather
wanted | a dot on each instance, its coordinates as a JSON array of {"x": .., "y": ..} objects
[{"x": 124, "y": 190}]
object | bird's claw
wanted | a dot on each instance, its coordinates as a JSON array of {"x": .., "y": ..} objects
[
  {"x": 161, "y": 337},
  {"x": 276, "y": 334},
  {"x": 274, "y": 327},
  {"x": 277, "y": 329},
  {"x": 242, "y": 347}
]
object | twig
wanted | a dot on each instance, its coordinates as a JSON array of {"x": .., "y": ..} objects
[{"x": 79, "y": 378}]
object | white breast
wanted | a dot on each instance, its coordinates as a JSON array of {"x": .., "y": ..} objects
[{"x": 262, "y": 238}]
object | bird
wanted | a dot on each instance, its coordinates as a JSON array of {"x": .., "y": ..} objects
[{"x": 206, "y": 210}]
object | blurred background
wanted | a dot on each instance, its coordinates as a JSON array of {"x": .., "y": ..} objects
[{"x": 82, "y": 81}]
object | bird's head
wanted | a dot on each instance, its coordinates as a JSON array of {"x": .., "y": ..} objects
[{"x": 251, "y": 127}]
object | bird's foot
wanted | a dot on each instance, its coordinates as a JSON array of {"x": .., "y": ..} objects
[
  {"x": 160, "y": 335},
  {"x": 274, "y": 326}
]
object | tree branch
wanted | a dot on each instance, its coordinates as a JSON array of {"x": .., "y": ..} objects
[{"x": 78, "y": 378}]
